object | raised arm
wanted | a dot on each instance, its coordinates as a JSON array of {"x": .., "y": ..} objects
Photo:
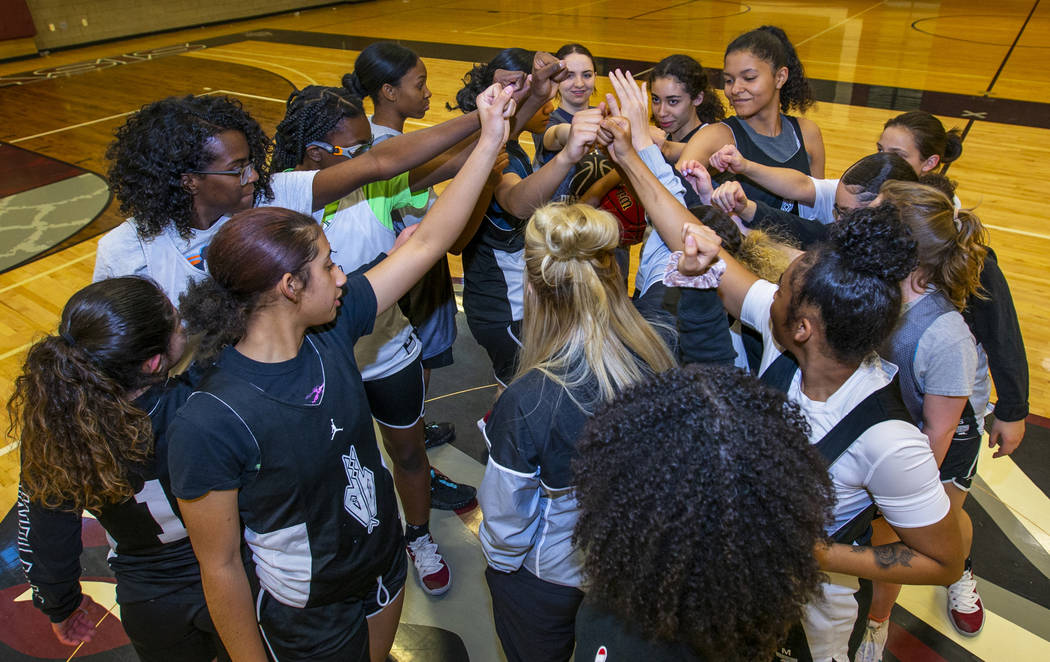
[
  {"x": 788, "y": 183},
  {"x": 390, "y": 158},
  {"x": 520, "y": 197},
  {"x": 214, "y": 525},
  {"x": 394, "y": 276}
]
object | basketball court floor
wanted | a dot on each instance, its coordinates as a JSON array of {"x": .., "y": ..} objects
[{"x": 979, "y": 66}]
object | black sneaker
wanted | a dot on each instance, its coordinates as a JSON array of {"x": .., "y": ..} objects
[
  {"x": 437, "y": 434},
  {"x": 447, "y": 494}
]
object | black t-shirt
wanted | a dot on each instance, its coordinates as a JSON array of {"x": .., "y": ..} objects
[
  {"x": 316, "y": 502},
  {"x": 152, "y": 557},
  {"x": 599, "y": 630}
]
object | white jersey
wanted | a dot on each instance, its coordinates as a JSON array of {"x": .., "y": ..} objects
[{"x": 890, "y": 463}]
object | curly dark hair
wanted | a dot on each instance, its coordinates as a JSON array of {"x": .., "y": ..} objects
[
  {"x": 312, "y": 113},
  {"x": 771, "y": 44},
  {"x": 854, "y": 278},
  {"x": 700, "y": 502},
  {"x": 79, "y": 429},
  {"x": 166, "y": 139},
  {"x": 480, "y": 77},
  {"x": 693, "y": 78}
]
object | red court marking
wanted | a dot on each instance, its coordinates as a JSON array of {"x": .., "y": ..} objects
[
  {"x": 907, "y": 647},
  {"x": 22, "y": 170},
  {"x": 1036, "y": 419},
  {"x": 28, "y": 631}
]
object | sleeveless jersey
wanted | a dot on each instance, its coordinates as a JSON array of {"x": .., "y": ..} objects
[{"x": 751, "y": 151}]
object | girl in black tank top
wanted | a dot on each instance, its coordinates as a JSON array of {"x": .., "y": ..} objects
[
  {"x": 763, "y": 80},
  {"x": 683, "y": 101}
]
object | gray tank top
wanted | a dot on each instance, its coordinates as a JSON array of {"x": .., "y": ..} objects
[
  {"x": 780, "y": 147},
  {"x": 900, "y": 348}
]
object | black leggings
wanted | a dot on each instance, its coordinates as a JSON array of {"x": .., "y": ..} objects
[{"x": 535, "y": 620}]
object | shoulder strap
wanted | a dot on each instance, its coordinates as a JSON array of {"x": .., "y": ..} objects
[
  {"x": 780, "y": 372},
  {"x": 883, "y": 405}
]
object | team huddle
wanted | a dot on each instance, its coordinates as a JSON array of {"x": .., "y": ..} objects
[{"x": 746, "y": 457}]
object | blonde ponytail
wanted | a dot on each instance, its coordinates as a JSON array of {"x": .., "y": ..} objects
[{"x": 579, "y": 324}]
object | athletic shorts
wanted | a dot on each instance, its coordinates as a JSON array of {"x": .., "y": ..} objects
[
  {"x": 439, "y": 360},
  {"x": 397, "y": 401},
  {"x": 960, "y": 462},
  {"x": 502, "y": 345},
  {"x": 336, "y": 632},
  {"x": 163, "y": 631}
]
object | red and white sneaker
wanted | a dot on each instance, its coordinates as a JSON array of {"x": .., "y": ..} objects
[
  {"x": 434, "y": 574},
  {"x": 965, "y": 611}
]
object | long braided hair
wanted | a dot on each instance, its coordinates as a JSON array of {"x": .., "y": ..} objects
[{"x": 312, "y": 113}]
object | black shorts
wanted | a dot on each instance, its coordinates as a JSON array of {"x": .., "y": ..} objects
[
  {"x": 439, "y": 360},
  {"x": 502, "y": 345},
  {"x": 960, "y": 462},
  {"x": 163, "y": 631},
  {"x": 397, "y": 401},
  {"x": 336, "y": 632}
]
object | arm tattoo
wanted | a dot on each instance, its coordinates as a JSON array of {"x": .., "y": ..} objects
[{"x": 887, "y": 556}]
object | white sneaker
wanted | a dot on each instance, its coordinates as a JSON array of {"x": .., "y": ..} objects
[
  {"x": 965, "y": 611},
  {"x": 434, "y": 574},
  {"x": 873, "y": 643}
]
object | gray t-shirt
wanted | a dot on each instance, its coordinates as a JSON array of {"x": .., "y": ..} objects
[{"x": 947, "y": 362}]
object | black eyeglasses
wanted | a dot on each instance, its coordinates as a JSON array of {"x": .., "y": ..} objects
[
  {"x": 244, "y": 172},
  {"x": 348, "y": 152}
]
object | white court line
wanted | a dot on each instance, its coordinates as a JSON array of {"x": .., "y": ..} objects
[
  {"x": 73, "y": 126},
  {"x": 17, "y": 350},
  {"x": 839, "y": 24},
  {"x": 49, "y": 271},
  {"x": 8, "y": 448},
  {"x": 1013, "y": 231},
  {"x": 248, "y": 96},
  {"x": 253, "y": 61}
]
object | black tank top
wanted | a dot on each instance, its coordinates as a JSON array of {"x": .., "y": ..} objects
[{"x": 751, "y": 151}]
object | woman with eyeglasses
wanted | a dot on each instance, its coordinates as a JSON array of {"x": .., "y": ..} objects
[
  {"x": 182, "y": 165},
  {"x": 322, "y": 128}
]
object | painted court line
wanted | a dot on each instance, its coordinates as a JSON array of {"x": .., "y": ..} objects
[
  {"x": 52, "y": 270},
  {"x": 204, "y": 55},
  {"x": 840, "y": 23},
  {"x": 72, "y": 126}
]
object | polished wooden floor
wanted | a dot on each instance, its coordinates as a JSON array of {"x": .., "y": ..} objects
[{"x": 965, "y": 48}]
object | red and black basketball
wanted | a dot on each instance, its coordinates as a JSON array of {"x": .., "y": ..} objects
[{"x": 621, "y": 204}]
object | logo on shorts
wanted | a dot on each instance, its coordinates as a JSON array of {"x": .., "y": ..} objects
[
  {"x": 359, "y": 498},
  {"x": 334, "y": 429}
]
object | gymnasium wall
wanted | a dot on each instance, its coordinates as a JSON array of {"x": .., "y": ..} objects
[{"x": 69, "y": 22}]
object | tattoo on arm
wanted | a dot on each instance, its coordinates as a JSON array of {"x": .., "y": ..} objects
[{"x": 888, "y": 556}]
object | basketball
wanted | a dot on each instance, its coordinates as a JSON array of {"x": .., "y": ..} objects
[
  {"x": 620, "y": 203},
  {"x": 589, "y": 170}
]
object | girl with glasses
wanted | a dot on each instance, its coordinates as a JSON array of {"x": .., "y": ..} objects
[{"x": 181, "y": 166}]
